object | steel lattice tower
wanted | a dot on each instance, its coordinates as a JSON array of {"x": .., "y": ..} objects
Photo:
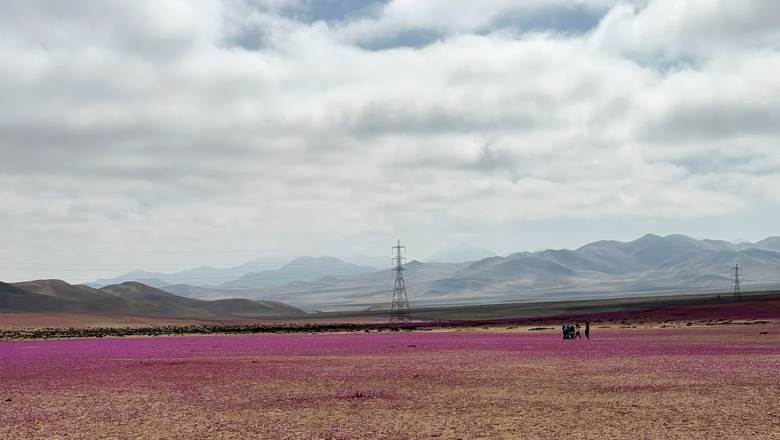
[
  {"x": 737, "y": 282},
  {"x": 399, "y": 310}
]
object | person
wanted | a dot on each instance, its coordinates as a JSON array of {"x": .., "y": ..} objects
[
  {"x": 577, "y": 334},
  {"x": 563, "y": 328},
  {"x": 587, "y": 329}
]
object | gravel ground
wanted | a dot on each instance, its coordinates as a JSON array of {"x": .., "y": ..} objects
[{"x": 492, "y": 383}]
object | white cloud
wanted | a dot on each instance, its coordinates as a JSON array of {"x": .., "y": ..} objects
[
  {"x": 691, "y": 29},
  {"x": 142, "y": 126}
]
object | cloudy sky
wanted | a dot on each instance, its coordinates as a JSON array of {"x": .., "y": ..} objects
[{"x": 168, "y": 134}]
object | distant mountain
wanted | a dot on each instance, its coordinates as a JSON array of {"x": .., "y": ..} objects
[
  {"x": 129, "y": 298},
  {"x": 770, "y": 244},
  {"x": 459, "y": 254},
  {"x": 648, "y": 265},
  {"x": 153, "y": 282},
  {"x": 375, "y": 262},
  {"x": 187, "y": 291},
  {"x": 247, "y": 275},
  {"x": 61, "y": 289},
  {"x": 300, "y": 269},
  {"x": 336, "y": 292},
  {"x": 199, "y": 276}
]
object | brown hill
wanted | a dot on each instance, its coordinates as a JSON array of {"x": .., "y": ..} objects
[
  {"x": 61, "y": 289},
  {"x": 14, "y": 298},
  {"x": 130, "y": 298}
]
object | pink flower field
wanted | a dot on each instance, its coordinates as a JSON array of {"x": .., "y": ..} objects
[{"x": 697, "y": 382}]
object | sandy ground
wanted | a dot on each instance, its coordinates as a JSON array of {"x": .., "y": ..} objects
[
  {"x": 758, "y": 305},
  {"x": 641, "y": 381}
]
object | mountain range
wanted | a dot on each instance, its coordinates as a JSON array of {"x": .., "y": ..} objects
[
  {"x": 650, "y": 265},
  {"x": 247, "y": 275},
  {"x": 300, "y": 269},
  {"x": 128, "y": 298}
]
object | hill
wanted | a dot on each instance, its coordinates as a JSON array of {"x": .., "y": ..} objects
[
  {"x": 129, "y": 298},
  {"x": 300, "y": 269}
]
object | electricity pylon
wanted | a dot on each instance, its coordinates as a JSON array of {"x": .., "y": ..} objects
[
  {"x": 399, "y": 310},
  {"x": 737, "y": 282}
]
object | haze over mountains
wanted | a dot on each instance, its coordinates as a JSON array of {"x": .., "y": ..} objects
[
  {"x": 300, "y": 269},
  {"x": 648, "y": 265},
  {"x": 246, "y": 276},
  {"x": 256, "y": 273},
  {"x": 460, "y": 253}
]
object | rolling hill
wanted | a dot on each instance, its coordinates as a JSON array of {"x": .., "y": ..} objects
[{"x": 129, "y": 298}]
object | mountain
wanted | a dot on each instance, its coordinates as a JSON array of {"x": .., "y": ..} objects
[
  {"x": 460, "y": 253},
  {"x": 61, "y": 289},
  {"x": 199, "y": 276},
  {"x": 188, "y": 291},
  {"x": 153, "y": 282},
  {"x": 336, "y": 292},
  {"x": 380, "y": 263},
  {"x": 769, "y": 244},
  {"x": 128, "y": 298},
  {"x": 174, "y": 305},
  {"x": 648, "y": 265},
  {"x": 247, "y": 274},
  {"x": 300, "y": 269}
]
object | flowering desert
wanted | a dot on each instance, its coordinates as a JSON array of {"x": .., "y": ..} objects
[{"x": 460, "y": 383}]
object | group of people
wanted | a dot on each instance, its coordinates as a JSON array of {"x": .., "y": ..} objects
[{"x": 573, "y": 331}]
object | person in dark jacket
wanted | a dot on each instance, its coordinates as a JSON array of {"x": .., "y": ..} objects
[{"x": 587, "y": 329}]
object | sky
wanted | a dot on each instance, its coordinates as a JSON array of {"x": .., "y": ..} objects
[{"x": 169, "y": 134}]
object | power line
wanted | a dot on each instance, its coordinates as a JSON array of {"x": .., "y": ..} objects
[{"x": 737, "y": 289}]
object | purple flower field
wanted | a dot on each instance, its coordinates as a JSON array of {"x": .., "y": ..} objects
[{"x": 699, "y": 382}]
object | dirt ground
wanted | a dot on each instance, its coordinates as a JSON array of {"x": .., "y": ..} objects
[{"x": 479, "y": 382}]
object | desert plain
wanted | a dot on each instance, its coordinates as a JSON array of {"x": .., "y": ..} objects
[{"x": 688, "y": 371}]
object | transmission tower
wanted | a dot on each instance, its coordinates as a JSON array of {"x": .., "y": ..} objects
[
  {"x": 399, "y": 310},
  {"x": 737, "y": 282}
]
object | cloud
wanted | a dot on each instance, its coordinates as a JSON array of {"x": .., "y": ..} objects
[
  {"x": 697, "y": 29},
  {"x": 421, "y": 23},
  {"x": 215, "y": 125}
]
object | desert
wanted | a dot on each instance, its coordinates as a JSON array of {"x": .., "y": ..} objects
[
  {"x": 713, "y": 372},
  {"x": 389, "y": 219}
]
